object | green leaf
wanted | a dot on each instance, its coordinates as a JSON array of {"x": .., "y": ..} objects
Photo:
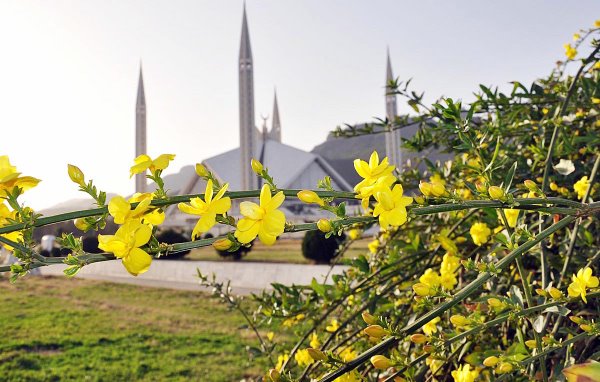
[
  {"x": 317, "y": 287},
  {"x": 509, "y": 177}
]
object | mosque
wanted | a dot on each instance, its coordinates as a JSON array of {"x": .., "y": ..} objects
[{"x": 291, "y": 167}]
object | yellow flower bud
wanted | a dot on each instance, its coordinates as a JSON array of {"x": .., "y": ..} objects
[
  {"x": 576, "y": 319},
  {"x": 375, "y": 331},
  {"x": 496, "y": 192},
  {"x": 369, "y": 318},
  {"x": 308, "y": 196},
  {"x": 428, "y": 348},
  {"x": 553, "y": 186},
  {"x": 317, "y": 355},
  {"x": 481, "y": 187},
  {"x": 419, "y": 338},
  {"x": 459, "y": 320},
  {"x": 504, "y": 368},
  {"x": 419, "y": 200},
  {"x": 76, "y": 175},
  {"x": 438, "y": 189},
  {"x": 531, "y": 344},
  {"x": 422, "y": 289},
  {"x": 257, "y": 167},
  {"x": 381, "y": 362},
  {"x": 81, "y": 224},
  {"x": 555, "y": 293},
  {"x": 494, "y": 302},
  {"x": 222, "y": 244},
  {"x": 324, "y": 225},
  {"x": 275, "y": 375},
  {"x": 586, "y": 327},
  {"x": 425, "y": 188},
  {"x": 491, "y": 361},
  {"x": 201, "y": 170},
  {"x": 530, "y": 184},
  {"x": 541, "y": 292}
]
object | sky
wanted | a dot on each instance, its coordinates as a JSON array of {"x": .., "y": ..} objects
[{"x": 69, "y": 71}]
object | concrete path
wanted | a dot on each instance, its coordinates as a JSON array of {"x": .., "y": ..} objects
[{"x": 245, "y": 277}]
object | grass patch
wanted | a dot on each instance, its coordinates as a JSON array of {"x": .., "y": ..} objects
[
  {"x": 58, "y": 329},
  {"x": 284, "y": 251}
]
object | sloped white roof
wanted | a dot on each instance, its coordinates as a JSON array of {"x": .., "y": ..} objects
[{"x": 285, "y": 163}]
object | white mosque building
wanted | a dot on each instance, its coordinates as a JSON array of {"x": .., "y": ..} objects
[{"x": 292, "y": 168}]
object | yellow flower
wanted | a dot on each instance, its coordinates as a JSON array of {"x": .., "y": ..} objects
[
  {"x": 144, "y": 162},
  {"x": 570, "y": 52},
  {"x": 421, "y": 289},
  {"x": 576, "y": 36},
  {"x": 581, "y": 282},
  {"x": 121, "y": 211},
  {"x": 581, "y": 187},
  {"x": 391, "y": 206},
  {"x": 333, "y": 326},
  {"x": 281, "y": 359},
  {"x": 430, "y": 278},
  {"x": 207, "y": 209},
  {"x": 347, "y": 354},
  {"x": 597, "y": 23},
  {"x": 354, "y": 234},
  {"x": 303, "y": 358},
  {"x": 465, "y": 374},
  {"x": 448, "y": 280},
  {"x": 265, "y": 220},
  {"x": 270, "y": 336},
  {"x": 595, "y": 100},
  {"x": 450, "y": 264},
  {"x": 9, "y": 178},
  {"x": 125, "y": 244},
  {"x": 512, "y": 216},
  {"x": 373, "y": 246},
  {"x": 480, "y": 233},
  {"x": 308, "y": 196},
  {"x": 371, "y": 171},
  {"x": 314, "y": 341},
  {"x": 431, "y": 327},
  {"x": 366, "y": 192},
  {"x": 7, "y": 217}
]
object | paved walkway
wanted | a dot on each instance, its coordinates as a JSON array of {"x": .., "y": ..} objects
[{"x": 245, "y": 277}]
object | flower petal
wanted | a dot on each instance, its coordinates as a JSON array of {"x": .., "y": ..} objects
[{"x": 137, "y": 262}]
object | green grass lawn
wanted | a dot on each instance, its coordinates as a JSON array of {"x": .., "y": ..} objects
[
  {"x": 283, "y": 251},
  {"x": 59, "y": 329}
]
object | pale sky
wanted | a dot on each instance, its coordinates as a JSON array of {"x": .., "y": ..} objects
[{"x": 69, "y": 70}]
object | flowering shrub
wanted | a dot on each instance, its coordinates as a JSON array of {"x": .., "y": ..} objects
[{"x": 486, "y": 272}]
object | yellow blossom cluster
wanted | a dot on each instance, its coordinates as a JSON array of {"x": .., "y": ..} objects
[{"x": 446, "y": 278}]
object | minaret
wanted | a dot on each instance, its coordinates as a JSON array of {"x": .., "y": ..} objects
[
  {"x": 275, "y": 123},
  {"x": 392, "y": 138},
  {"x": 140, "y": 131},
  {"x": 247, "y": 123}
]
